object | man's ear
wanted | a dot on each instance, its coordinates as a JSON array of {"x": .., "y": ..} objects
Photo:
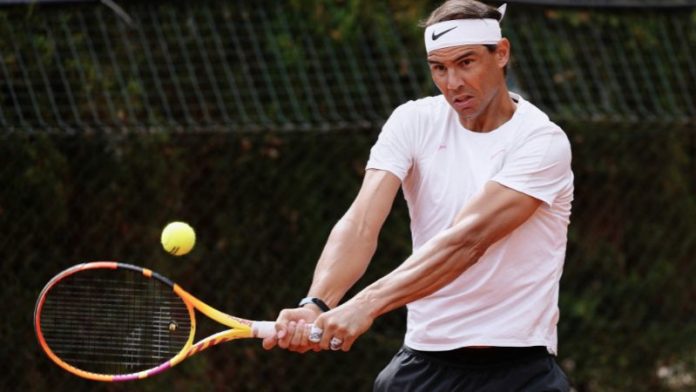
[{"x": 502, "y": 52}]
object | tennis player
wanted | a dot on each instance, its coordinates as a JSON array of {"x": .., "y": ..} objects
[{"x": 488, "y": 182}]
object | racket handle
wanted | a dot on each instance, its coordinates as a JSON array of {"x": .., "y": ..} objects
[
  {"x": 266, "y": 329},
  {"x": 263, "y": 329}
]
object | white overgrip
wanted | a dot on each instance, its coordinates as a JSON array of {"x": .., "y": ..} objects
[{"x": 263, "y": 329}]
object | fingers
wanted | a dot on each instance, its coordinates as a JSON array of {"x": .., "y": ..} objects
[
  {"x": 272, "y": 341},
  {"x": 300, "y": 330},
  {"x": 329, "y": 339},
  {"x": 329, "y": 333},
  {"x": 295, "y": 337},
  {"x": 269, "y": 343},
  {"x": 286, "y": 335},
  {"x": 299, "y": 341},
  {"x": 316, "y": 334},
  {"x": 348, "y": 343},
  {"x": 290, "y": 328}
]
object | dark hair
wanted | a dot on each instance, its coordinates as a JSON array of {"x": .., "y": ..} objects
[{"x": 464, "y": 9}]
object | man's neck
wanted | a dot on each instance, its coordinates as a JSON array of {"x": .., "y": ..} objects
[{"x": 498, "y": 111}]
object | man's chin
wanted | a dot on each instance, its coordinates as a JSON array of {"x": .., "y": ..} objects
[{"x": 466, "y": 114}]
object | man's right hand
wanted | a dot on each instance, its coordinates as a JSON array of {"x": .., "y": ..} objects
[{"x": 292, "y": 328}]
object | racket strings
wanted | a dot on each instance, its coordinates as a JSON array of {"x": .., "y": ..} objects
[{"x": 114, "y": 321}]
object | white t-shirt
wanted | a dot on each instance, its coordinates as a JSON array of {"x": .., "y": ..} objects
[{"x": 510, "y": 296}]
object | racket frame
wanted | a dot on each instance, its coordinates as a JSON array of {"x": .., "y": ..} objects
[{"x": 239, "y": 327}]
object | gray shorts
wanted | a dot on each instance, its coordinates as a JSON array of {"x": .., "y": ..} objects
[{"x": 495, "y": 369}]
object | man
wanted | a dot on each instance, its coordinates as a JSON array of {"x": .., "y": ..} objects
[{"x": 488, "y": 183}]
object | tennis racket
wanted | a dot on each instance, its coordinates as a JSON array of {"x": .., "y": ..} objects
[{"x": 110, "y": 321}]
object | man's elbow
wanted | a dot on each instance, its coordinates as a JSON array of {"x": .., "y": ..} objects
[
  {"x": 469, "y": 245},
  {"x": 360, "y": 228}
]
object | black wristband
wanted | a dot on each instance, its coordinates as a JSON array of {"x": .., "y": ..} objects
[{"x": 316, "y": 301}]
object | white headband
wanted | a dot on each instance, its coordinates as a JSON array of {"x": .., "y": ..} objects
[{"x": 464, "y": 32}]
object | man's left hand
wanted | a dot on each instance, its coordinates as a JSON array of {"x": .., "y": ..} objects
[{"x": 345, "y": 323}]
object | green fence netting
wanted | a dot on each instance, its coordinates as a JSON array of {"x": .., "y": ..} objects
[{"x": 253, "y": 121}]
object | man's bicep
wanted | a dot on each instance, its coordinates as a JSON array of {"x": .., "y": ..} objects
[
  {"x": 495, "y": 213},
  {"x": 375, "y": 198}
]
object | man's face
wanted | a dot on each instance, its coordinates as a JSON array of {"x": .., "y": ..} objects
[{"x": 469, "y": 76}]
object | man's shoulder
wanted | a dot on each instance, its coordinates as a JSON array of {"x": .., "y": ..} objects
[
  {"x": 534, "y": 120},
  {"x": 418, "y": 115},
  {"x": 425, "y": 105},
  {"x": 530, "y": 112}
]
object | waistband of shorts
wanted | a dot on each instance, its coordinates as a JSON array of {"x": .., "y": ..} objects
[{"x": 482, "y": 356}]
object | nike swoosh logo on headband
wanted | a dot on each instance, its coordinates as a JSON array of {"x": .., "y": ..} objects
[{"x": 436, "y": 36}]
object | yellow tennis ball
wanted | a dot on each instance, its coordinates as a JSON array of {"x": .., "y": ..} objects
[{"x": 178, "y": 238}]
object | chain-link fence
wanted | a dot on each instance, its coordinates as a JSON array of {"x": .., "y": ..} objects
[{"x": 253, "y": 123}]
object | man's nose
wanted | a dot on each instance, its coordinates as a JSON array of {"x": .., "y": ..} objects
[{"x": 453, "y": 79}]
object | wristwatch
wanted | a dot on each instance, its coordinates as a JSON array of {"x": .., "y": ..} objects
[{"x": 316, "y": 301}]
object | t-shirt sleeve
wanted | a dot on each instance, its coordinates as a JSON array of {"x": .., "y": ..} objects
[
  {"x": 540, "y": 166},
  {"x": 393, "y": 150}
]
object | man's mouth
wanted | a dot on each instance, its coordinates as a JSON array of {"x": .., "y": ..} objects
[{"x": 463, "y": 102}]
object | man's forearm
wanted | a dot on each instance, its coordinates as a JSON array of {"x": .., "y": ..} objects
[
  {"x": 437, "y": 263},
  {"x": 490, "y": 216},
  {"x": 343, "y": 261}
]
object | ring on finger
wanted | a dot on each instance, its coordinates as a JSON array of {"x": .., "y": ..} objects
[
  {"x": 315, "y": 334},
  {"x": 335, "y": 343}
]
